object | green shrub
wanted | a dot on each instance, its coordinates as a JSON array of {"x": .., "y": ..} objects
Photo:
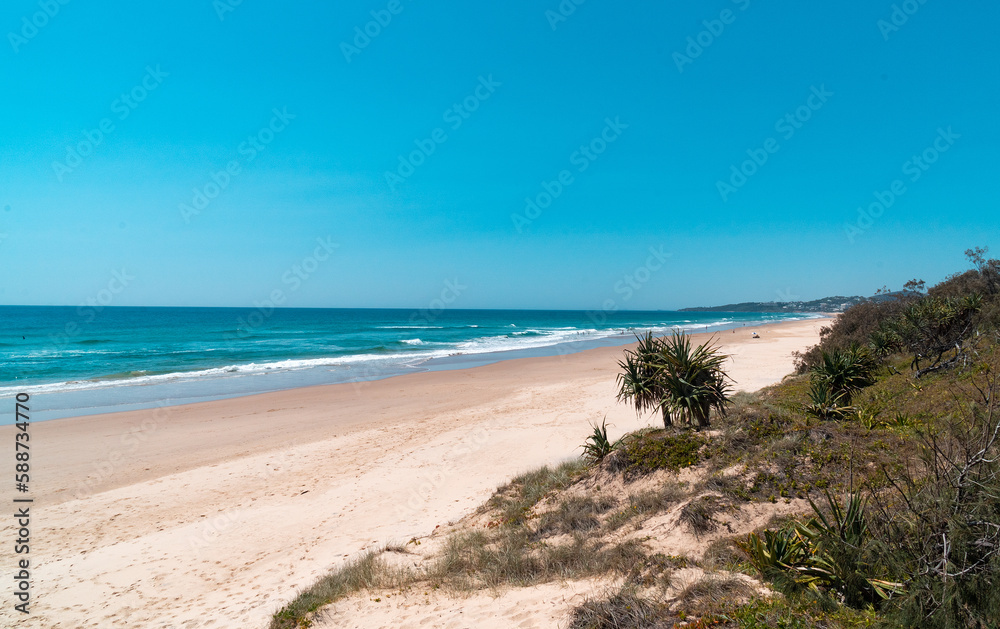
[
  {"x": 840, "y": 554},
  {"x": 649, "y": 452},
  {"x": 775, "y": 551},
  {"x": 930, "y": 326},
  {"x": 837, "y": 378},
  {"x": 854, "y": 326},
  {"x": 825, "y": 403},
  {"x": 799, "y": 612},
  {"x": 939, "y": 527},
  {"x": 934, "y": 327}
]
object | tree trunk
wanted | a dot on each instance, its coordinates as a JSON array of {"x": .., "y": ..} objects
[
  {"x": 667, "y": 422},
  {"x": 704, "y": 413}
]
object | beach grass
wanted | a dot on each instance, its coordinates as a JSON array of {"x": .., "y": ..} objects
[
  {"x": 514, "y": 500},
  {"x": 624, "y": 608},
  {"x": 367, "y": 572},
  {"x": 507, "y": 553}
]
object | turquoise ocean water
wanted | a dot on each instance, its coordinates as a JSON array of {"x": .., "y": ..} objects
[{"x": 76, "y": 361}]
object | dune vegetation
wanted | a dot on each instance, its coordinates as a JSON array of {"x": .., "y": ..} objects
[{"x": 863, "y": 491}]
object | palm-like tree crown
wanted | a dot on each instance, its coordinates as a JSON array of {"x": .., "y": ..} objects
[{"x": 670, "y": 375}]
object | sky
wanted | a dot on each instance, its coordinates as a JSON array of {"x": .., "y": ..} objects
[{"x": 544, "y": 154}]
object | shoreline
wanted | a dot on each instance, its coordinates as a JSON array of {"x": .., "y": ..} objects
[
  {"x": 231, "y": 506},
  {"x": 183, "y": 389}
]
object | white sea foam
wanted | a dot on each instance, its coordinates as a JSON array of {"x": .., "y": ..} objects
[
  {"x": 531, "y": 338},
  {"x": 370, "y": 362},
  {"x": 226, "y": 371}
]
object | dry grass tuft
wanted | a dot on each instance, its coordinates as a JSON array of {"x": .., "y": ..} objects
[
  {"x": 698, "y": 514},
  {"x": 713, "y": 591},
  {"x": 724, "y": 554},
  {"x": 647, "y": 503},
  {"x": 509, "y": 556},
  {"x": 368, "y": 572},
  {"x": 624, "y": 609},
  {"x": 577, "y": 514}
]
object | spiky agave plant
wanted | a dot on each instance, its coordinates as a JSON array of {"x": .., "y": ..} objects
[
  {"x": 837, "y": 558},
  {"x": 775, "y": 551},
  {"x": 825, "y": 403},
  {"x": 885, "y": 339},
  {"x": 692, "y": 379},
  {"x": 844, "y": 372},
  {"x": 826, "y": 552}
]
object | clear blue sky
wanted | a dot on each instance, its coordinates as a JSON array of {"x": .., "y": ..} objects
[{"x": 541, "y": 88}]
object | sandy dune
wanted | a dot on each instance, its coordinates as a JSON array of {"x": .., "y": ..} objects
[
  {"x": 540, "y": 607},
  {"x": 214, "y": 514}
]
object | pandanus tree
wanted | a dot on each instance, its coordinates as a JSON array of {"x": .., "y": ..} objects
[
  {"x": 839, "y": 377},
  {"x": 639, "y": 381},
  {"x": 672, "y": 376},
  {"x": 844, "y": 372}
]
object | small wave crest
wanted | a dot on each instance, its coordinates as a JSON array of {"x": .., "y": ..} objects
[{"x": 411, "y": 327}]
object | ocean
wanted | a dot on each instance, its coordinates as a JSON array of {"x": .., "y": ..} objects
[{"x": 79, "y": 361}]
